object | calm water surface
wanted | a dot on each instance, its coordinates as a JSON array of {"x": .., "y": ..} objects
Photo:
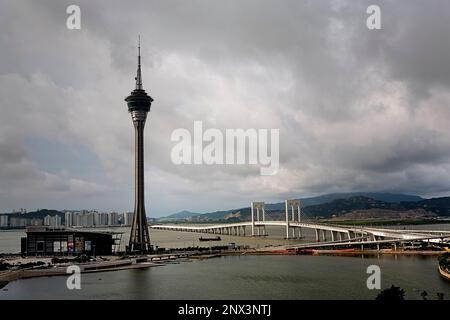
[{"x": 246, "y": 277}]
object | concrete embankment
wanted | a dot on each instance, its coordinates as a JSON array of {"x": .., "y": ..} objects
[
  {"x": 444, "y": 274},
  {"x": 112, "y": 263},
  {"x": 378, "y": 252},
  {"x": 345, "y": 252},
  {"x": 59, "y": 270}
]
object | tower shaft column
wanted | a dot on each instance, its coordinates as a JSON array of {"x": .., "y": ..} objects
[{"x": 140, "y": 239}]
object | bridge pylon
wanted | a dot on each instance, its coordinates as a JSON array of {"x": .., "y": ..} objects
[
  {"x": 258, "y": 212},
  {"x": 293, "y": 209}
]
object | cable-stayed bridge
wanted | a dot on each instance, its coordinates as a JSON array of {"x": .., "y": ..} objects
[{"x": 294, "y": 225}]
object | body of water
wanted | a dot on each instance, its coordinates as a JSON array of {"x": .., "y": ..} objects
[{"x": 246, "y": 277}]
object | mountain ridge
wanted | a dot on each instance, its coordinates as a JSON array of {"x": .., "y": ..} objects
[{"x": 306, "y": 202}]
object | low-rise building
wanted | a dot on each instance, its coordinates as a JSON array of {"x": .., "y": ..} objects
[{"x": 63, "y": 241}]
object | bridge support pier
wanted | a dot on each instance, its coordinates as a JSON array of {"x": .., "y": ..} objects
[
  {"x": 317, "y": 235},
  {"x": 257, "y": 206},
  {"x": 292, "y": 205},
  {"x": 324, "y": 235},
  {"x": 287, "y": 221}
]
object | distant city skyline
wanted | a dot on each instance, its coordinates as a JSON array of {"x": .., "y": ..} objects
[
  {"x": 82, "y": 218},
  {"x": 357, "y": 109}
]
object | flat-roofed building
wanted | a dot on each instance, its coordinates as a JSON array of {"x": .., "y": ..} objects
[{"x": 63, "y": 241}]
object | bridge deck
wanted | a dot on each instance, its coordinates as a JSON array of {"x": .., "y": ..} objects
[{"x": 385, "y": 234}]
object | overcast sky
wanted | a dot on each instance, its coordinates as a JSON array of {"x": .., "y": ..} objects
[{"x": 357, "y": 109}]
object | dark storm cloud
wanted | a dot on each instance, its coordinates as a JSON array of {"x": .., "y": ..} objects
[{"x": 357, "y": 109}]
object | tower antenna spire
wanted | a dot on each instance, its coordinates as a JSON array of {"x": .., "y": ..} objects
[{"x": 139, "y": 73}]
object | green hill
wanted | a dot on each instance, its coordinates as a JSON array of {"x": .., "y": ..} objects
[{"x": 329, "y": 206}]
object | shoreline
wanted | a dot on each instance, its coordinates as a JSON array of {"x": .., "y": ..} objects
[
  {"x": 374, "y": 252},
  {"x": 145, "y": 262},
  {"x": 13, "y": 275},
  {"x": 444, "y": 274},
  {"x": 116, "y": 264}
]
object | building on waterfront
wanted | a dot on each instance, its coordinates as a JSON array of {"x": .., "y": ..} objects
[
  {"x": 96, "y": 218},
  {"x": 103, "y": 219},
  {"x": 91, "y": 219},
  {"x": 127, "y": 218},
  {"x": 68, "y": 219},
  {"x": 19, "y": 222},
  {"x": 4, "y": 221},
  {"x": 52, "y": 221},
  {"x": 113, "y": 219},
  {"x": 62, "y": 241},
  {"x": 16, "y": 222},
  {"x": 84, "y": 219},
  {"x": 139, "y": 103}
]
